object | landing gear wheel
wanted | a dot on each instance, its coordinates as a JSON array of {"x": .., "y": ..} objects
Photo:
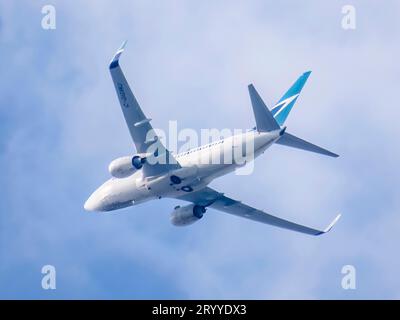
[
  {"x": 187, "y": 189},
  {"x": 175, "y": 179}
]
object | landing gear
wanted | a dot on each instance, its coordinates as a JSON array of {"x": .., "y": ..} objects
[
  {"x": 198, "y": 211},
  {"x": 175, "y": 179},
  {"x": 187, "y": 189}
]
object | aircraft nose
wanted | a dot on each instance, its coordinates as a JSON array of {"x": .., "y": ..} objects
[{"x": 92, "y": 204}]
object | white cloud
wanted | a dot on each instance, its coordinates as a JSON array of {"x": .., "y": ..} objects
[{"x": 184, "y": 61}]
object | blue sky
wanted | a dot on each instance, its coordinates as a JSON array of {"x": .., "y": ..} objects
[{"x": 61, "y": 126}]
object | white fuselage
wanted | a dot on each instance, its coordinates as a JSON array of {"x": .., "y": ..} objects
[{"x": 199, "y": 167}]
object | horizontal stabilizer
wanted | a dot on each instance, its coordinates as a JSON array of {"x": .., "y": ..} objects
[{"x": 290, "y": 140}]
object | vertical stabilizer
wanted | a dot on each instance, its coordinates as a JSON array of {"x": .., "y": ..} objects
[{"x": 283, "y": 107}]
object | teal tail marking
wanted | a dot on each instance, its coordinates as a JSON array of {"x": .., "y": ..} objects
[{"x": 283, "y": 107}]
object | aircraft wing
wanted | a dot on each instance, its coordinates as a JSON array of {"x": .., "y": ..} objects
[
  {"x": 208, "y": 197},
  {"x": 139, "y": 126}
]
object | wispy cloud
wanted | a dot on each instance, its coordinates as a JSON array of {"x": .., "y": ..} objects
[{"x": 61, "y": 126}]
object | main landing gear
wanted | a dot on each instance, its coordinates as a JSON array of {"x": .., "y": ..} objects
[{"x": 176, "y": 180}]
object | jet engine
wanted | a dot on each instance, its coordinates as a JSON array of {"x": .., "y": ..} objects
[
  {"x": 183, "y": 216},
  {"x": 125, "y": 166}
]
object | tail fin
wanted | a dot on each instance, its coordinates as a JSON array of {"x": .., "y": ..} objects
[
  {"x": 264, "y": 119},
  {"x": 290, "y": 140},
  {"x": 282, "y": 108}
]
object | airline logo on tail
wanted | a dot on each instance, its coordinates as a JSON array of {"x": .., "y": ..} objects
[{"x": 281, "y": 110}]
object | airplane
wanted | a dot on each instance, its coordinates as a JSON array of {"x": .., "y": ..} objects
[{"x": 135, "y": 179}]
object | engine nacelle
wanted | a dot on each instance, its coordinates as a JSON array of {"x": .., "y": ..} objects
[
  {"x": 183, "y": 216},
  {"x": 125, "y": 166}
]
